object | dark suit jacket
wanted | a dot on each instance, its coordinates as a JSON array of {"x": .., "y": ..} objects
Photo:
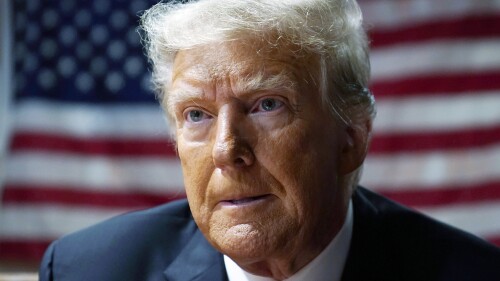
[{"x": 389, "y": 242}]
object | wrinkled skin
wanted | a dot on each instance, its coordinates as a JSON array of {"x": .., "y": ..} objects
[{"x": 261, "y": 164}]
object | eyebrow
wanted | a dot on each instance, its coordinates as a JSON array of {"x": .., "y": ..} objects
[
  {"x": 185, "y": 93},
  {"x": 262, "y": 82},
  {"x": 259, "y": 82}
]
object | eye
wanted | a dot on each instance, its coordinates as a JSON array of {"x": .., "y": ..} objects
[
  {"x": 195, "y": 115},
  {"x": 269, "y": 104}
]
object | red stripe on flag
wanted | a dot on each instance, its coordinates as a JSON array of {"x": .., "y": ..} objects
[
  {"x": 380, "y": 143},
  {"x": 92, "y": 146},
  {"x": 470, "y": 27},
  {"x": 414, "y": 142},
  {"x": 74, "y": 196},
  {"x": 495, "y": 240},
  {"x": 437, "y": 84},
  {"x": 441, "y": 196},
  {"x": 415, "y": 197},
  {"x": 22, "y": 250}
]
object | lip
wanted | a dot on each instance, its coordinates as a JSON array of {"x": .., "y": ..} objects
[{"x": 244, "y": 201}]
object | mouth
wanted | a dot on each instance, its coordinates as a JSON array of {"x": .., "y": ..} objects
[{"x": 244, "y": 200}]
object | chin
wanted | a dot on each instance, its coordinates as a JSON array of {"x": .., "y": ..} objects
[{"x": 243, "y": 243}]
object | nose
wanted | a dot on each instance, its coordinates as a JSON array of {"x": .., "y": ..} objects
[{"x": 232, "y": 148}]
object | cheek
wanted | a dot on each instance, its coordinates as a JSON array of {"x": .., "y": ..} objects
[
  {"x": 303, "y": 162},
  {"x": 197, "y": 165}
]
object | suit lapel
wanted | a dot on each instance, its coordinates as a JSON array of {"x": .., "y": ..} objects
[
  {"x": 382, "y": 241},
  {"x": 197, "y": 261},
  {"x": 364, "y": 238}
]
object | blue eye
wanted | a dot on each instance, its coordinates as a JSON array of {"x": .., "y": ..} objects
[
  {"x": 269, "y": 104},
  {"x": 195, "y": 115}
]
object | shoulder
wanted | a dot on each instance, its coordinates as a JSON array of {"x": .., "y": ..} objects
[
  {"x": 171, "y": 220},
  {"x": 393, "y": 219},
  {"x": 388, "y": 236},
  {"x": 149, "y": 237}
]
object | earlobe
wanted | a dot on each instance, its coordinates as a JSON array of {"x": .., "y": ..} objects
[{"x": 355, "y": 147}]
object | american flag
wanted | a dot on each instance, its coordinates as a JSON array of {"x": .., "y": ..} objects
[{"x": 84, "y": 139}]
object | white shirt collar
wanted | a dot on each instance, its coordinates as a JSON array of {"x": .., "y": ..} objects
[{"x": 328, "y": 265}]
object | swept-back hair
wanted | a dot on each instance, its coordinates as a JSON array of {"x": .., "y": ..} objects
[{"x": 332, "y": 29}]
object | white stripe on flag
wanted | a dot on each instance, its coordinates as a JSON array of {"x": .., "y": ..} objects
[
  {"x": 436, "y": 57},
  {"x": 82, "y": 120},
  {"x": 433, "y": 169},
  {"x": 397, "y": 14},
  {"x": 437, "y": 113},
  {"x": 46, "y": 222},
  {"x": 429, "y": 113},
  {"x": 479, "y": 218},
  {"x": 157, "y": 175}
]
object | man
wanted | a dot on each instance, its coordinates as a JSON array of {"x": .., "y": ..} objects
[{"x": 273, "y": 119}]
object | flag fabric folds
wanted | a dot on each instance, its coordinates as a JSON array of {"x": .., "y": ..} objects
[
  {"x": 88, "y": 139},
  {"x": 436, "y": 78}
]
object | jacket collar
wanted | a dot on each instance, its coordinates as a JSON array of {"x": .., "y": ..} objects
[
  {"x": 364, "y": 256},
  {"x": 197, "y": 261}
]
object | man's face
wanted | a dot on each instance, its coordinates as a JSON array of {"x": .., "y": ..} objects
[{"x": 260, "y": 154}]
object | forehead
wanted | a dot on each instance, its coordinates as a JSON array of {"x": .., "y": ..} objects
[{"x": 250, "y": 61}]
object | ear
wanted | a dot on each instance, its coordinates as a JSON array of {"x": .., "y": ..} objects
[{"x": 355, "y": 146}]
